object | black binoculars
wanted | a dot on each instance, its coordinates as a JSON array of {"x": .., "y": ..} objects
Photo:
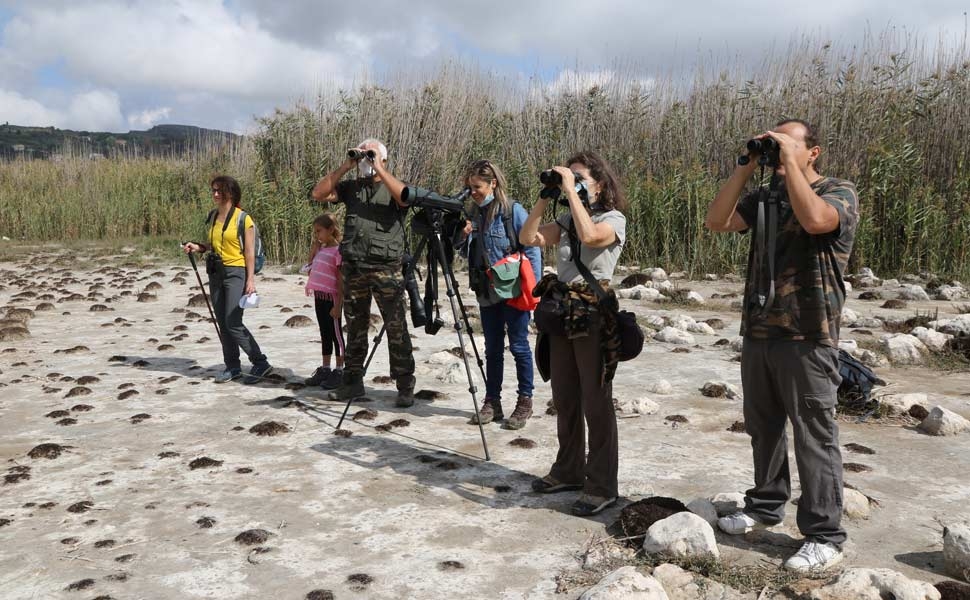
[
  {"x": 766, "y": 149},
  {"x": 550, "y": 178},
  {"x": 357, "y": 154}
]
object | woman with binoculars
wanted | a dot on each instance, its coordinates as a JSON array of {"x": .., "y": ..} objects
[
  {"x": 577, "y": 343},
  {"x": 492, "y": 235}
]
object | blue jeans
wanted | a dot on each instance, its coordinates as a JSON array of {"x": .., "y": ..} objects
[{"x": 496, "y": 320}]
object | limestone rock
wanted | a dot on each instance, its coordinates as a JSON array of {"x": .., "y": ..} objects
[
  {"x": 442, "y": 357},
  {"x": 728, "y": 503},
  {"x": 911, "y": 291},
  {"x": 645, "y": 406},
  {"x": 737, "y": 344},
  {"x": 661, "y": 386},
  {"x": 626, "y": 583},
  {"x": 872, "y": 359},
  {"x": 684, "y": 585},
  {"x": 959, "y": 325},
  {"x": 932, "y": 339},
  {"x": 695, "y": 298},
  {"x": 655, "y": 321},
  {"x": 956, "y": 550},
  {"x": 855, "y": 505},
  {"x": 941, "y": 421},
  {"x": 849, "y": 317},
  {"x": 901, "y": 403},
  {"x": 656, "y": 274},
  {"x": 702, "y": 328},
  {"x": 874, "y": 584},
  {"x": 640, "y": 292},
  {"x": 703, "y": 508},
  {"x": 671, "y": 335},
  {"x": 951, "y": 293},
  {"x": 681, "y": 534},
  {"x": 850, "y": 346},
  {"x": 903, "y": 349}
]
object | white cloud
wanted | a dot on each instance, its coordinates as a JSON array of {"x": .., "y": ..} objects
[
  {"x": 96, "y": 110},
  {"x": 148, "y": 117}
]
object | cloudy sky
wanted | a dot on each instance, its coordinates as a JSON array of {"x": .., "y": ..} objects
[{"x": 129, "y": 64}]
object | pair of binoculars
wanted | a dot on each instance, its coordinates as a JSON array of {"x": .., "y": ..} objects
[{"x": 358, "y": 154}]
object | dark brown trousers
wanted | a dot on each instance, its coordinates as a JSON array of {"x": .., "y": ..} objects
[{"x": 580, "y": 399}]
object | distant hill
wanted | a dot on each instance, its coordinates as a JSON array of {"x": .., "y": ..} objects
[{"x": 48, "y": 142}]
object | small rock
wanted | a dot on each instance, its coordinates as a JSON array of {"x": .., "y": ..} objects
[
  {"x": 941, "y": 421},
  {"x": 685, "y": 585},
  {"x": 900, "y": 404},
  {"x": 728, "y": 503},
  {"x": 956, "y": 550},
  {"x": 855, "y": 504},
  {"x": 682, "y": 534},
  {"x": 874, "y": 584},
  {"x": 298, "y": 321},
  {"x": 661, "y": 386},
  {"x": 910, "y": 291},
  {"x": 947, "y": 293},
  {"x": 720, "y": 389},
  {"x": 903, "y": 349},
  {"x": 934, "y": 340},
  {"x": 626, "y": 583},
  {"x": 703, "y": 508},
  {"x": 695, "y": 298},
  {"x": 672, "y": 335}
]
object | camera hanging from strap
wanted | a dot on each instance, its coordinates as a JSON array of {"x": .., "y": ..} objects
[{"x": 766, "y": 241}]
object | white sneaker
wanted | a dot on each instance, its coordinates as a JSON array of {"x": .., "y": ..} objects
[
  {"x": 739, "y": 523},
  {"x": 814, "y": 557}
]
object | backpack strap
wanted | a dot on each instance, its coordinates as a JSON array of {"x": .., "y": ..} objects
[
  {"x": 575, "y": 249},
  {"x": 241, "y": 230},
  {"x": 211, "y": 219},
  {"x": 507, "y": 217}
]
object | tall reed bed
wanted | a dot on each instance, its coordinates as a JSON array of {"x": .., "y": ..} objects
[{"x": 894, "y": 115}]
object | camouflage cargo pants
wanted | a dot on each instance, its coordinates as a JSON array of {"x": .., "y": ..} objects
[{"x": 385, "y": 286}]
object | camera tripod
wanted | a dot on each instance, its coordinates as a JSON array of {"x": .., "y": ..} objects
[{"x": 432, "y": 241}]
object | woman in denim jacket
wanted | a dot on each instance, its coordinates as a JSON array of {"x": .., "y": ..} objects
[{"x": 492, "y": 208}]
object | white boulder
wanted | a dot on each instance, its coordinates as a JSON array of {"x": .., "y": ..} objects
[
  {"x": 850, "y": 346},
  {"x": 685, "y": 585},
  {"x": 695, "y": 298},
  {"x": 681, "y": 534},
  {"x": 941, "y": 421},
  {"x": 671, "y": 335},
  {"x": 874, "y": 584},
  {"x": 911, "y": 291},
  {"x": 681, "y": 322},
  {"x": 901, "y": 403},
  {"x": 656, "y": 274},
  {"x": 956, "y": 550},
  {"x": 849, "y": 317},
  {"x": 903, "y": 349},
  {"x": 950, "y": 293},
  {"x": 626, "y": 583},
  {"x": 959, "y": 325},
  {"x": 443, "y": 357},
  {"x": 737, "y": 344},
  {"x": 934, "y": 340}
]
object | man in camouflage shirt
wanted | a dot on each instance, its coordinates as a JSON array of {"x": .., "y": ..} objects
[
  {"x": 371, "y": 252},
  {"x": 790, "y": 363}
]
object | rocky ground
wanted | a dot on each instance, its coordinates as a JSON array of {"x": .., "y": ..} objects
[{"x": 129, "y": 474}]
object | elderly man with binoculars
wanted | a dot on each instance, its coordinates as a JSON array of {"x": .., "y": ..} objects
[{"x": 372, "y": 247}]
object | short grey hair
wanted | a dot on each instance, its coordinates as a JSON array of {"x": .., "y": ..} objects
[{"x": 380, "y": 146}]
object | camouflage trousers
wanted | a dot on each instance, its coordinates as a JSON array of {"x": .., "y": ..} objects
[{"x": 385, "y": 286}]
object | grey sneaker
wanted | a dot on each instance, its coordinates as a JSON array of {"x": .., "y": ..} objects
[
  {"x": 521, "y": 414},
  {"x": 257, "y": 373},
  {"x": 332, "y": 380},
  {"x": 228, "y": 375},
  {"x": 491, "y": 411},
  {"x": 318, "y": 377}
]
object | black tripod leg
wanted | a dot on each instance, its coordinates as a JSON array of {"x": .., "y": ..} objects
[
  {"x": 471, "y": 337},
  {"x": 373, "y": 350},
  {"x": 449, "y": 278}
]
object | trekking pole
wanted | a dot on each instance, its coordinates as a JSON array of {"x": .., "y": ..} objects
[{"x": 204, "y": 295}]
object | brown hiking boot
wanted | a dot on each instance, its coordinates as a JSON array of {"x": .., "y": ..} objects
[
  {"x": 490, "y": 411},
  {"x": 521, "y": 414}
]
